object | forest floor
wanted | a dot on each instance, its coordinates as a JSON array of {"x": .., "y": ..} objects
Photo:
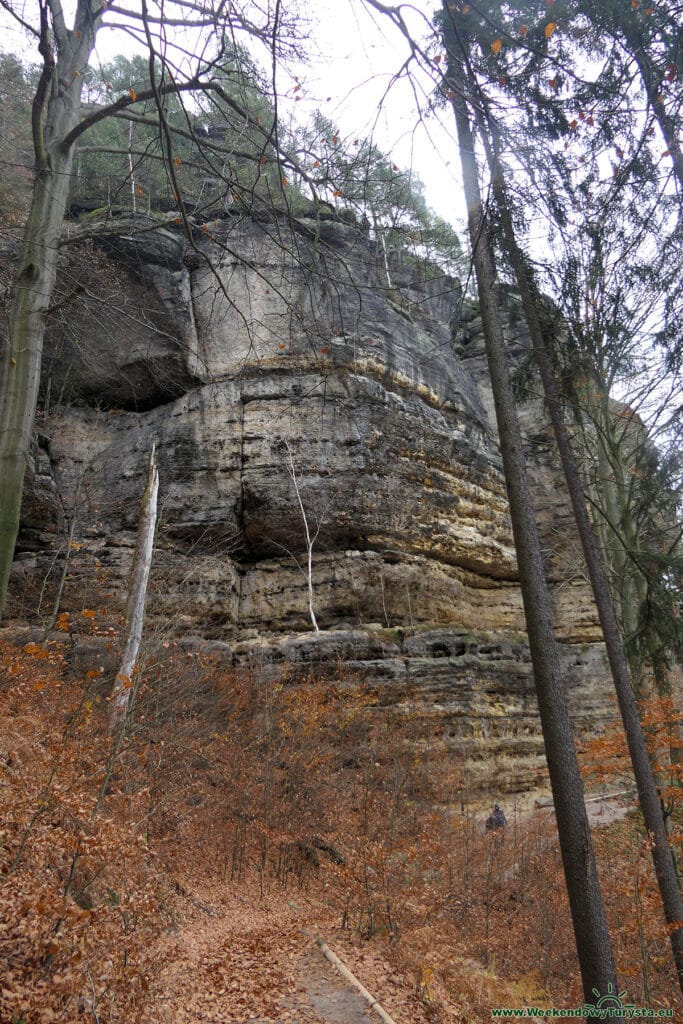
[
  {"x": 242, "y": 958},
  {"x": 237, "y": 958},
  {"x": 182, "y": 873}
]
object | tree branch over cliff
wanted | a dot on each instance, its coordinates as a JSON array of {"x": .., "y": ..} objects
[{"x": 57, "y": 125}]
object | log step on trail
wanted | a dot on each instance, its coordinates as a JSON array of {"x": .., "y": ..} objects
[{"x": 343, "y": 970}]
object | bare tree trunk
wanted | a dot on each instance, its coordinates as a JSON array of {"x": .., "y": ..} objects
[
  {"x": 131, "y": 168},
  {"x": 21, "y": 354},
  {"x": 590, "y": 927},
  {"x": 662, "y": 855},
  {"x": 379, "y": 239},
  {"x": 50, "y": 624},
  {"x": 137, "y": 598},
  {"x": 310, "y": 538}
]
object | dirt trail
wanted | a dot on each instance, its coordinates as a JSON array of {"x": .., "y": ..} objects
[
  {"x": 234, "y": 959},
  {"x": 328, "y": 996}
]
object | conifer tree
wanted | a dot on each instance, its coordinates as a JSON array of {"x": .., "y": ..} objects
[
  {"x": 624, "y": 458},
  {"x": 590, "y": 927}
]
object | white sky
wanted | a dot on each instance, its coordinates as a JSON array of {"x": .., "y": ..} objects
[{"x": 359, "y": 55}]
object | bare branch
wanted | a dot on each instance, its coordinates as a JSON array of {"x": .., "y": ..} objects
[
  {"x": 113, "y": 109},
  {"x": 200, "y": 22},
  {"x": 40, "y": 98},
  {"x": 7, "y": 6}
]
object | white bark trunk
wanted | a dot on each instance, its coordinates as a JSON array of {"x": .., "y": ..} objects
[
  {"x": 131, "y": 168},
  {"x": 310, "y": 540},
  {"x": 137, "y": 598}
]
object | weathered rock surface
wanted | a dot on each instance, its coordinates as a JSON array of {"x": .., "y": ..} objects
[{"x": 281, "y": 361}]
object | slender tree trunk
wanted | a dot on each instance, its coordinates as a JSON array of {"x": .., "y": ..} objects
[
  {"x": 662, "y": 854},
  {"x": 21, "y": 354},
  {"x": 137, "y": 598},
  {"x": 131, "y": 168},
  {"x": 379, "y": 238},
  {"x": 590, "y": 927},
  {"x": 310, "y": 539},
  {"x": 50, "y": 624}
]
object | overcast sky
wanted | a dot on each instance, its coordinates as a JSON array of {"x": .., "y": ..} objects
[{"x": 354, "y": 59}]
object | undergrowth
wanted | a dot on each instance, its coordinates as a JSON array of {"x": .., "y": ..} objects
[{"x": 267, "y": 786}]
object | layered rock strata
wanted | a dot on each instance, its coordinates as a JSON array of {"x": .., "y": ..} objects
[{"x": 271, "y": 362}]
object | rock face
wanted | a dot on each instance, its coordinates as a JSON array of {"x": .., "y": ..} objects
[{"x": 271, "y": 362}]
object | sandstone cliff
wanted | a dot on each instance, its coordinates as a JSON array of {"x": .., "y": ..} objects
[{"x": 267, "y": 350}]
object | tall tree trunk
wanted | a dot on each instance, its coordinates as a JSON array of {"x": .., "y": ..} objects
[
  {"x": 662, "y": 855},
  {"x": 590, "y": 927},
  {"x": 56, "y": 111}
]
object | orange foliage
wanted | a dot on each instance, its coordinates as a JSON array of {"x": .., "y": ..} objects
[
  {"x": 606, "y": 759},
  {"x": 78, "y": 894},
  {"x": 295, "y": 802}
]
